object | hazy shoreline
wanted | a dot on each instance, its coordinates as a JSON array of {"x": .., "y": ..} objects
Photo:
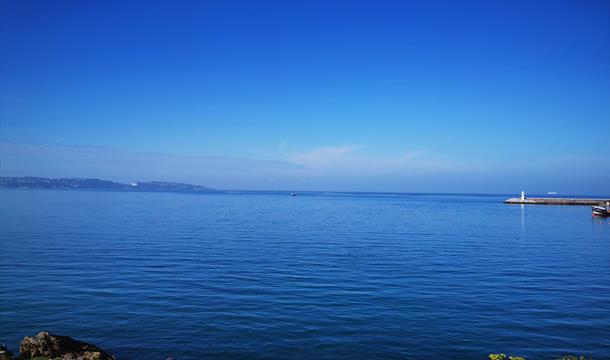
[{"x": 95, "y": 184}]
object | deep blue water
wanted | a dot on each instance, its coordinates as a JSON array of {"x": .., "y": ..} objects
[{"x": 322, "y": 276}]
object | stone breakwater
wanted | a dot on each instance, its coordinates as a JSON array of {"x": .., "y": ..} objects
[
  {"x": 55, "y": 347},
  {"x": 556, "y": 201}
]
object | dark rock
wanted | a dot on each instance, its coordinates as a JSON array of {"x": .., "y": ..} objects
[
  {"x": 5, "y": 354},
  {"x": 59, "y": 347}
]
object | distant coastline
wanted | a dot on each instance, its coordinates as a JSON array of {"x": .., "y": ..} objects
[
  {"x": 37, "y": 182},
  {"x": 31, "y": 182}
]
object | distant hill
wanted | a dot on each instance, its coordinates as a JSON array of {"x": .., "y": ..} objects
[{"x": 28, "y": 182}]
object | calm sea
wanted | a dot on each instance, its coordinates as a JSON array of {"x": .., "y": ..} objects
[{"x": 316, "y": 276}]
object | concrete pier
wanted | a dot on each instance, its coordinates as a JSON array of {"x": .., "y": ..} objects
[{"x": 556, "y": 201}]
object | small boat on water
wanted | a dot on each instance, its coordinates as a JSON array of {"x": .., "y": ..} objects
[
  {"x": 293, "y": 194},
  {"x": 601, "y": 210}
]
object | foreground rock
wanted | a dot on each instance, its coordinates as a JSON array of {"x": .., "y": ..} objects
[{"x": 45, "y": 345}]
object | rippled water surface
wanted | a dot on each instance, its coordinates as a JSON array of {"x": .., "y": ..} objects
[{"x": 317, "y": 276}]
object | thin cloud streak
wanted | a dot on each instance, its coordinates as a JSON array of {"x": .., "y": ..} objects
[
  {"x": 351, "y": 161},
  {"x": 126, "y": 166}
]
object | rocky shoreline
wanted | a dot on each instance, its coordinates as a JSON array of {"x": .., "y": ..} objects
[{"x": 45, "y": 346}]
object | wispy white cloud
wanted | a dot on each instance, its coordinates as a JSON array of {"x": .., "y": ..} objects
[
  {"x": 322, "y": 157},
  {"x": 352, "y": 160}
]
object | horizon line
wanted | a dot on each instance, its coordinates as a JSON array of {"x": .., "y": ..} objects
[{"x": 559, "y": 195}]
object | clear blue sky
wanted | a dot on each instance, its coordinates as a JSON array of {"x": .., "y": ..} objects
[{"x": 463, "y": 96}]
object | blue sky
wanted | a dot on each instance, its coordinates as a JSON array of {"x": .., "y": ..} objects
[{"x": 482, "y": 96}]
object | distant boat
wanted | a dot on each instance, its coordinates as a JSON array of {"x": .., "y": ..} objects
[
  {"x": 601, "y": 210},
  {"x": 293, "y": 194},
  {"x": 552, "y": 193}
]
